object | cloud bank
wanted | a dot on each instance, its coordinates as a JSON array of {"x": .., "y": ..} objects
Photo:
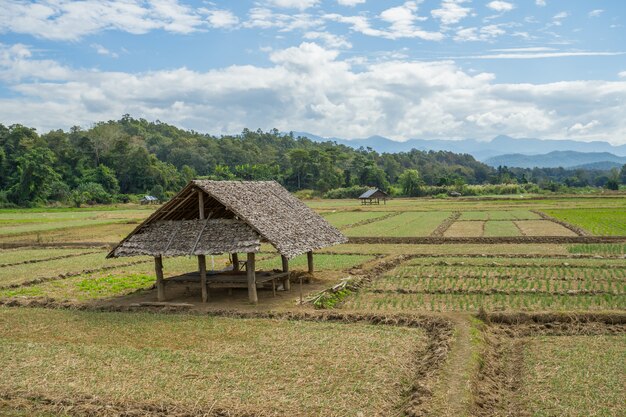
[{"x": 311, "y": 88}]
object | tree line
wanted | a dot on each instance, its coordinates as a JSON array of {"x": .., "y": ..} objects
[{"x": 117, "y": 160}]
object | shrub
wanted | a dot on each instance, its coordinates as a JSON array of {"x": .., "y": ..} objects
[
  {"x": 305, "y": 194},
  {"x": 350, "y": 192}
]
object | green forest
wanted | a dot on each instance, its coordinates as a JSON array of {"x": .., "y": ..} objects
[{"x": 117, "y": 161}]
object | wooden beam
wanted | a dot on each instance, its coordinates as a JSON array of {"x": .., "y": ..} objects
[
  {"x": 202, "y": 265},
  {"x": 286, "y": 282},
  {"x": 235, "y": 258},
  {"x": 158, "y": 268},
  {"x": 201, "y": 204},
  {"x": 309, "y": 259},
  {"x": 252, "y": 296}
]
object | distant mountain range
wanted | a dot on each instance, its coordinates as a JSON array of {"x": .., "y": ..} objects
[
  {"x": 523, "y": 152},
  {"x": 565, "y": 159}
]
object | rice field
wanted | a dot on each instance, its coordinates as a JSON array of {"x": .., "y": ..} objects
[
  {"x": 496, "y": 284},
  {"x": 499, "y": 215},
  {"x": 198, "y": 363},
  {"x": 407, "y": 224},
  {"x": 342, "y": 219},
  {"x": 208, "y": 362},
  {"x": 599, "y": 222},
  {"x": 543, "y": 228},
  {"x": 501, "y": 228},
  {"x": 574, "y": 375},
  {"x": 24, "y": 222}
]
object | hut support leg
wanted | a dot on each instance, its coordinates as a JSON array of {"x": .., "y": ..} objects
[
  {"x": 286, "y": 282},
  {"x": 252, "y": 296},
  {"x": 202, "y": 266},
  {"x": 158, "y": 268},
  {"x": 235, "y": 262},
  {"x": 309, "y": 258}
]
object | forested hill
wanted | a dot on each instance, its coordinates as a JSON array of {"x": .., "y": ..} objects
[
  {"x": 130, "y": 156},
  {"x": 115, "y": 159}
]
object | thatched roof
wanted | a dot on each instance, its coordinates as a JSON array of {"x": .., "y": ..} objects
[
  {"x": 191, "y": 237},
  {"x": 264, "y": 207}
]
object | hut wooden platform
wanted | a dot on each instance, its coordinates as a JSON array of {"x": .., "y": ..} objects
[{"x": 234, "y": 217}]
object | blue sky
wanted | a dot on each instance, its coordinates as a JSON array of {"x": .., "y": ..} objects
[{"x": 346, "y": 68}]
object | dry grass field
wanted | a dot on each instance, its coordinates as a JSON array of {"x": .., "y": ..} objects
[{"x": 501, "y": 307}]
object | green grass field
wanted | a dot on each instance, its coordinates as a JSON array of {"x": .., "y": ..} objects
[{"x": 600, "y": 222}]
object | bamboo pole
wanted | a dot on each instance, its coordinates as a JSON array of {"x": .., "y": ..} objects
[
  {"x": 158, "y": 268},
  {"x": 252, "y": 295}
]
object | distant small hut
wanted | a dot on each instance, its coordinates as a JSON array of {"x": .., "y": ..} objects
[
  {"x": 233, "y": 217},
  {"x": 149, "y": 199},
  {"x": 373, "y": 196}
]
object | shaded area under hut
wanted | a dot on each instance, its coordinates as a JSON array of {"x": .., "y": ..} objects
[
  {"x": 373, "y": 196},
  {"x": 233, "y": 217}
]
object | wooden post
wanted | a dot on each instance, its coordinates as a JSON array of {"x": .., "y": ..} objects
[
  {"x": 251, "y": 279},
  {"x": 309, "y": 258},
  {"x": 202, "y": 265},
  {"x": 202, "y": 258},
  {"x": 235, "y": 262},
  {"x": 286, "y": 282},
  {"x": 158, "y": 268}
]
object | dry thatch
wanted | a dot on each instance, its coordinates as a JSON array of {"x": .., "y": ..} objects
[
  {"x": 265, "y": 207},
  {"x": 191, "y": 237}
]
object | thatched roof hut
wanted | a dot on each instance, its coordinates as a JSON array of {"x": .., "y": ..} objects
[
  {"x": 373, "y": 196},
  {"x": 216, "y": 217}
]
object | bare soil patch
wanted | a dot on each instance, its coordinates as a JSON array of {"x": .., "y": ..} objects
[{"x": 543, "y": 228}]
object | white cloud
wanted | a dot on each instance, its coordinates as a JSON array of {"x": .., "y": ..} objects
[
  {"x": 311, "y": 88},
  {"x": 293, "y": 4},
  {"x": 451, "y": 12},
  {"x": 72, "y": 20},
  {"x": 101, "y": 50},
  {"x": 484, "y": 33},
  {"x": 540, "y": 55},
  {"x": 501, "y": 6},
  {"x": 621, "y": 74},
  {"x": 541, "y": 3},
  {"x": 527, "y": 49},
  {"x": 350, "y": 3},
  {"x": 329, "y": 39},
  {"x": 264, "y": 18},
  {"x": 222, "y": 19},
  {"x": 583, "y": 128},
  {"x": 558, "y": 18},
  {"x": 400, "y": 21},
  {"x": 595, "y": 13}
]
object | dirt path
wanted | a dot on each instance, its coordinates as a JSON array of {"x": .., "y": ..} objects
[{"x": 452, "y": 394}]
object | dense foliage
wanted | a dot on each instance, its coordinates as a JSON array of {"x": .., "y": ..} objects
[{"x": 115, "y": 160}]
